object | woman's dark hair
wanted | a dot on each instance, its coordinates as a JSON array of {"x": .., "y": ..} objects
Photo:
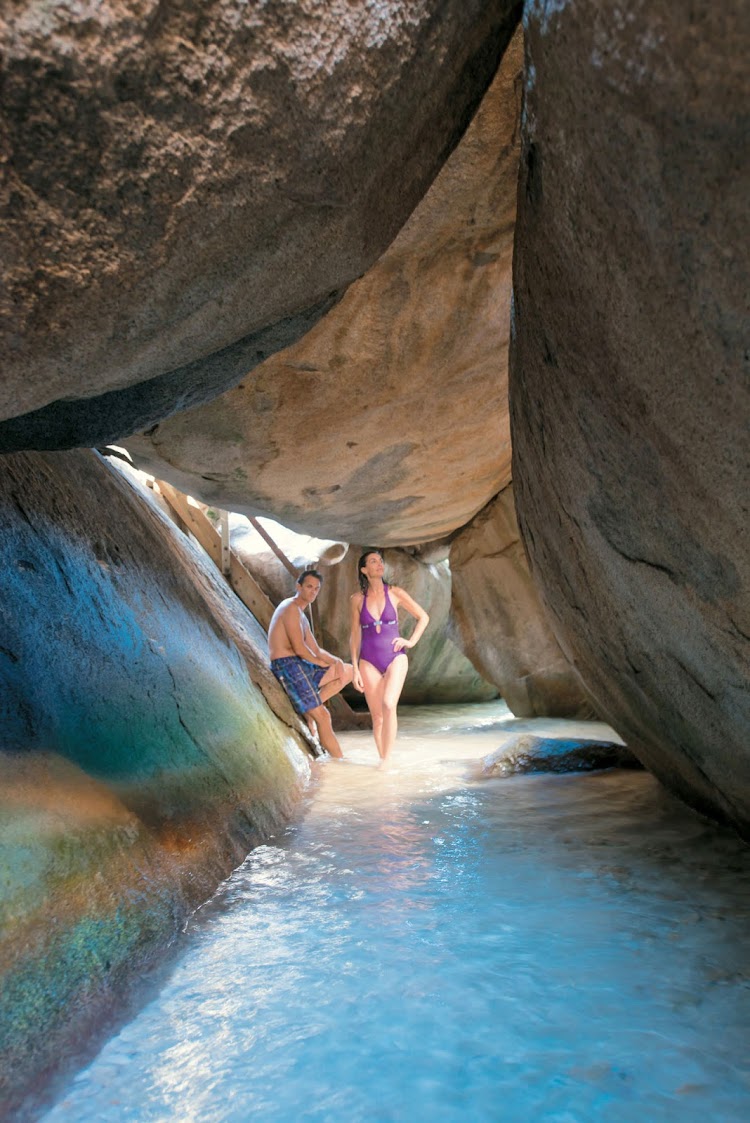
[{"x": 363, "y": 582}]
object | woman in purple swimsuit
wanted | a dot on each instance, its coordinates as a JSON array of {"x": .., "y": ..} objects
[{"x": 378, "y": 651}]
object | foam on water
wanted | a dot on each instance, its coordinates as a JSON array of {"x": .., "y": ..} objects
[{"x": 423, "y": 946}]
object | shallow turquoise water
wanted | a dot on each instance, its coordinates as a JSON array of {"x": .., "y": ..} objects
[{"x": 425, "y": 946}]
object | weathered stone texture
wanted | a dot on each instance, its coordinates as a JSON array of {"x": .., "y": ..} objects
[
  {"x": 181, "y": 177},
  {"x": 630, "y": 396},
  {"x": 499, "y": 622},
  {"x": 397, "y": 397}
]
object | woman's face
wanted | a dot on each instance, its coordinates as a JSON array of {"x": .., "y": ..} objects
[{"x": 374, "y": 566}]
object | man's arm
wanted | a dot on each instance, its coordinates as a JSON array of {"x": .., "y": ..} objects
[
  {"x": 324, "y": 658},
  {"x": 303, "y": 642}
]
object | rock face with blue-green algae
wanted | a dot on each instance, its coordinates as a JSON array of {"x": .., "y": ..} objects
[
  {"x": 189, "y": 187},
  {"x": 141, "y": 757},
  {"x": 438, "y": 670},
  {"x": 500, "y": 623},
  {"x": 630, "y": 394}
]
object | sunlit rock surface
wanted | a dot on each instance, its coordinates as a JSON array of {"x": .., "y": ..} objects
[
  {"x": 140, "y": 756},
  {"x": 500, "y": 623},
  {"x": 438, "y": 671},
  {"x": 300, "y": 551},
  {"x": 389, "y": 421},
  {"x": 188, "y": 185},
  {"x": 630, "y": 401}
]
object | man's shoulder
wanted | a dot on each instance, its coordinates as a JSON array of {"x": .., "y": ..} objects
[
  {"x": 284, "y": 606},
  {"x": 281, "y": 610},
  {"x": 290, "y": 609}
]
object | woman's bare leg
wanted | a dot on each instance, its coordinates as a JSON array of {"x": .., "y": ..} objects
[
  {"x": 393, "y": 684},
  {"x": 373, "y": 682}
]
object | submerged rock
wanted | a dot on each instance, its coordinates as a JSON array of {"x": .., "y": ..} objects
[
  {"x": 389, "y": 421},
  {"x": 630, "y": 395},
  {"x": 527, "y": 753},
  {"x": 189, "y": 186}
]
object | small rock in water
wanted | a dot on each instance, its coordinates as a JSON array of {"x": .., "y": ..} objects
[{"x": 527, "y": 753}]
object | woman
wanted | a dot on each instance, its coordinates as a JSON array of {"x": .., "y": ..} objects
[{"x": 378, "y": 651}]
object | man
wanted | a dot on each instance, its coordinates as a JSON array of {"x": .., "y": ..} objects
[{"x": 309, "y": 674}]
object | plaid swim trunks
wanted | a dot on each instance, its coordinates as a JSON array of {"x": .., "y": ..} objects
[{"x": 300, "y": 679}]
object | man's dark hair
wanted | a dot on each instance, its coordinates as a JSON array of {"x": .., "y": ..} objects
[{"x": 309, "y": 573}]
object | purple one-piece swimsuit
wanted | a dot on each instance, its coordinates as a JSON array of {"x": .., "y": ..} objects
[{"x": 377, "y": 646}]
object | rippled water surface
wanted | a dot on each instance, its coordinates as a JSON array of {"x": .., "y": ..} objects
[{"x": 425, "y": 946}]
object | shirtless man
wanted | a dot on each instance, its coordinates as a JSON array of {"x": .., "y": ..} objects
[{"x": 309, "y": 674}]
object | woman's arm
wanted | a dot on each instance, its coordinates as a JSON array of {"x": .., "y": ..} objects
[
  {"x": 355, "y": 639},
  {"x": 403, "y": 600}
]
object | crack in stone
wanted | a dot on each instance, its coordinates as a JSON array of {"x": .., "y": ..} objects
[
  {"x": 691, "y": 676},
  {"x": 644, "y": 561}
]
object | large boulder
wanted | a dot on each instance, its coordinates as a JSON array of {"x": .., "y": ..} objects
[
  {"x": 499, "y": 622},
  {"x": 629, "y": 403},
  {"x": 140, "y": 755},
  {"x": 438, "y": 670},
  {"x": 189, "y": 185},
  {"x": 397, "y": 397}
]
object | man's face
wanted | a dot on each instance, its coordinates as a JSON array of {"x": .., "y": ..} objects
[{"x": 309, "y": 589}]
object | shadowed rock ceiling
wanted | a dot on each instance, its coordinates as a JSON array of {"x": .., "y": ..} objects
[
  {"x": 388, "y": 422},
  {"x": 187, "y": 187}
]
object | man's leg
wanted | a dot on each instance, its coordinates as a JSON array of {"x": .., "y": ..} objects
[
  {"x": 311, "y": 723},
  {"x": 335, "y": 679},
  {"x": 294, "y": 674},
  {"x": 322, "y": 719}
]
